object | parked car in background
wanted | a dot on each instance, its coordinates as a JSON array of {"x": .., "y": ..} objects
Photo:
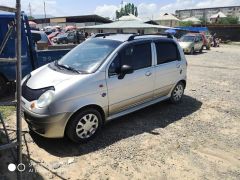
[
  {"x": 191, "y": 43},
  {"x": 103, "y": 78},
  {"x": 53, "y": 34},
  {"x": 41, "y": 37},
  {"x": 32, "y": 57},
  {"x": 65, "y": 38}
]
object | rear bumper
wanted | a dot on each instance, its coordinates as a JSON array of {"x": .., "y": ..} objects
[{"x": 47, "y": 126}]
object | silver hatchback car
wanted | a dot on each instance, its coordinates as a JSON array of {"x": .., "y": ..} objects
[{"x": 105, "y": 77}]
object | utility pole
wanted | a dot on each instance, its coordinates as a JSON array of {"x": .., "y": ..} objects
[
  {"x": 122, "y": 4},
  {"x": 30, "y": 9},
  {"x": 45, "y": 16}
]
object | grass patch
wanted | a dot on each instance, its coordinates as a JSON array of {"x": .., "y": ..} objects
[{"x": 6, "y": 111}]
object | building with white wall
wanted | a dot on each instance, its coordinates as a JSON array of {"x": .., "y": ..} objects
[{"x": 206, "y": 13}]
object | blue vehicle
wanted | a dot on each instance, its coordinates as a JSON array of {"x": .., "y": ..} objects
[{"x": 31, "y": 57}]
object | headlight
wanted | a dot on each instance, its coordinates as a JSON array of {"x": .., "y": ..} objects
[{"x": 45, "y": 99}]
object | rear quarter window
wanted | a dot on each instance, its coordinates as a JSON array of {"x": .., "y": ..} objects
[{"x": 166, "y": 52}]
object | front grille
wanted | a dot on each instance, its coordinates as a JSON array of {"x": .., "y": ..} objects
[{"x": 33, "y": 94}]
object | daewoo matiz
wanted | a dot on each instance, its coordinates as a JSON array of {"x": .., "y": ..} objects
[{"x": 105, "y": 77}]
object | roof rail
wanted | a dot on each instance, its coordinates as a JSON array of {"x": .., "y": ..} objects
[
  {"x": 102, "y": 35},
  {"x": 168, "y": 35}
]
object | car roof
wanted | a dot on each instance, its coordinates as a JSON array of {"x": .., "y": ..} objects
[
  {"x": 125, "y": 37},
  {"x": 37, "y": 32}
]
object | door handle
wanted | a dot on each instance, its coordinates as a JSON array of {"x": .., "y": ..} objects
[{"x": 148, "y": 73}]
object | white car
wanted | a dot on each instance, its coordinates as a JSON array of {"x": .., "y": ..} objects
[{"x": 103, "y": 78}]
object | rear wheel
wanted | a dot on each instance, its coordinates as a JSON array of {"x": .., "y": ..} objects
[
  {"x": 201, "y": 49},
  {"x": 3, "y": 86},
  {"x": 177, "y": 93},
  {"x": 84, "y": 125}
]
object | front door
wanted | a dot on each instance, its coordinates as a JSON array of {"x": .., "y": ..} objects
[{"x": 134, "y": 88}]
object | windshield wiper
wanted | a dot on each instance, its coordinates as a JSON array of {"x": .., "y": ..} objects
[{"x": 67, "y": 67}]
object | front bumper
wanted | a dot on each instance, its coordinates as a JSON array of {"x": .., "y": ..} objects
[{"x": 45, "y": 125}]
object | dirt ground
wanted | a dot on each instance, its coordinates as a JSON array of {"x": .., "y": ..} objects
[{"x": 197, "y": 139}]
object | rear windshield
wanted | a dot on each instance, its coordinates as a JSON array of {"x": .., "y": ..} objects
[{"x": 89, "y": 55}]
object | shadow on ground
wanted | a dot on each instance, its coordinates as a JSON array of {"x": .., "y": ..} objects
[
  {"x": 143, "y": 121},
  {"x": 9, "y": 156}
]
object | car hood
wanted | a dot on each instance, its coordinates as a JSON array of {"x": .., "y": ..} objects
[
  {"x": 185, "y": 44},
  {"x": 46, "y": 77}
]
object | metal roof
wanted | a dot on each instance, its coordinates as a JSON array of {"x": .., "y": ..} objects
[
  {"x": 166, "y": 17},
  {"x": 76, "y": 19},
  {"x": 126, "y": 24}
]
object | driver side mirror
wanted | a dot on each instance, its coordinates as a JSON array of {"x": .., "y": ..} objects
[{"x": 125, "y": 69}]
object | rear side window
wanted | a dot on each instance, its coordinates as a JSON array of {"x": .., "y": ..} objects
[
  {"x": 138, "y": 56},
  {"x": 166, "y": 52}
]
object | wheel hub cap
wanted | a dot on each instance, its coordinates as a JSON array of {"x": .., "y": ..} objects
[
  {"x": 87, "y": 126},
  {"x": 178, "y": 92}
]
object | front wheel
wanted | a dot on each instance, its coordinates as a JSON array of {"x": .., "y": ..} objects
[
  {"x": 177, "y": 93},
  {"x": 84, "y": 125},
  {"x": 200, "y": 50}
]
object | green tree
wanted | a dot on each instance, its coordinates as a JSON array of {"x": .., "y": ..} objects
[
  {"x": 185, "y": 23},
  {"x": 203, "y": 21},
  {"x": 30, "y": 18},
  {"x": 228, "y": 20},
  {"x": 129, "y": 8}
]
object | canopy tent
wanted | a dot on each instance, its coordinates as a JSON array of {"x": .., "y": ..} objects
[
  {"x": 167, "y": 16},
  {"x": 218, "y": 15},
  {"x": 192, "y": 19},
  {"x": 129, "y": 17},
  {"x": 126, "y": 24}
]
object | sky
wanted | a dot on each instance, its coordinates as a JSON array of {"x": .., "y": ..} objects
[{"x": 107, "y": 8}]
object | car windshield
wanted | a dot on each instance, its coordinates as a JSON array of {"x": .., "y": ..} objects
[
  {"x": 187, "y": 38},
  {"x": 89, "y": 55},
  {"x": 63, "y": 35}
]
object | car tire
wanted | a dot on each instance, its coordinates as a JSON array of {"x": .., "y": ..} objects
[
  {"x": 3, "y": 86},
  {"x": 192, "y": 51},
  {"x": 200, "y": 51},
  {"x": 84, "y": 126},
  {"x": 208, "y": 47},
  {"x": 177, "y": 93}
]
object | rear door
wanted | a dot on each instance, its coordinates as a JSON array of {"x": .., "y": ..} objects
[
  {"x": 134, "y": 88},
  {"x": 168, "y": 67}
]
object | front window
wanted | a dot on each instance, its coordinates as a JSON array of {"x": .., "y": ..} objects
[
  {"x": 89, "y": 55},
  {"x": 187, "y": 38}
]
